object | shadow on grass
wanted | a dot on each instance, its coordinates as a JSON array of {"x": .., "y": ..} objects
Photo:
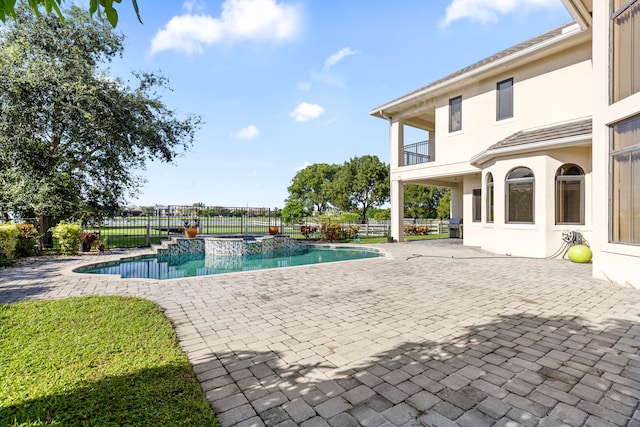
[
  {"x": 154, "y": 397},
  {"x": 520, "y": 368}
]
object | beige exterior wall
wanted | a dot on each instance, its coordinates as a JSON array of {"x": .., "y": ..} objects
[
  {"x": 544, "y": 237},
  {"x": 546, "y": 92},
  {"x": 553, "y": 90},
  {"x": 615, "y": 262}
]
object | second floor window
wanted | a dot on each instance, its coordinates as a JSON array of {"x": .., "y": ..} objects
[
  {"x": 504, "y": 99},
  {"x": 625, "y": 182},
  {"x": 626, "y": 49},
  {"x": 455, "y": 114}
]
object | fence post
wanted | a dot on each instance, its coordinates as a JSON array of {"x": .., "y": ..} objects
[{"x": 148, "y": 240}]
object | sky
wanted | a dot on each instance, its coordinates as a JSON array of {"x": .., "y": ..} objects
[{"x": 283, "y": 84}]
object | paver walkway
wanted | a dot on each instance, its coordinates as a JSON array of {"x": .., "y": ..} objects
[{"x": 434, "y": 334}]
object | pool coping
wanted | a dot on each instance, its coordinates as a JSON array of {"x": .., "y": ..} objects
[{"x": 128, "y": 254}]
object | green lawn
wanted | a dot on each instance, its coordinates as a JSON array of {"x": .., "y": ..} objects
[{"x": 95, "y": 361}]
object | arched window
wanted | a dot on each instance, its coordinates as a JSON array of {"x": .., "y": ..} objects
[
  {"x": 489, "y": 197},
  {"x": 520, "y": 186},
  {"x": 570, "y": 195}
]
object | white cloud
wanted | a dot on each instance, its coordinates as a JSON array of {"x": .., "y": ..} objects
[
  {"x": 193, "y": 5},
  {"x": 247, "y": 133},
  {"x": 303, "y": 166},
  {"x": 338, "y": 56},
  {"x": 240, "y": 20},
  {"x": 303, "y": 86},
  {"x": 305, "y": 112},
  {"x": 488, "y": 10}
]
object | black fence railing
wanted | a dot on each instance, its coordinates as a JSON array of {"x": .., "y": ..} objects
[
  {"x": 137, "y": 230},
  {"x": 419, "y": 152}
]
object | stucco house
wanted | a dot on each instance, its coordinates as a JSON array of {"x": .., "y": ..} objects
[{"x": 536, "y": 141}]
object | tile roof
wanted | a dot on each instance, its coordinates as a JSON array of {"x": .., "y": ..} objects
[{"x": 565, "y": 130}]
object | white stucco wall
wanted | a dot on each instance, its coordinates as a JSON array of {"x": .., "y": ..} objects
[
  {"x": 550, "y": 91},
  {"x": 544, "y": 237},
  {"x": 615, "y": 262}
]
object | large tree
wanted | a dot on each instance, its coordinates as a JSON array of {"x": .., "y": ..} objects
[
  {"x": 310, "y": 186},
  {"x": 421, "y": 201},
  {"x": 72, "y": 137},
  {"x": 361, "y": 183},
  {"x": 101, "y": 7}
]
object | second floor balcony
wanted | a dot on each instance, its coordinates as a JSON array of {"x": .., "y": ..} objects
[{"x": 417, "y": 153}]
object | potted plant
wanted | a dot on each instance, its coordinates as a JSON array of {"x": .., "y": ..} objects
[
  {"x": 88, "y": 239},
  {"x": 191, "y": 228}
]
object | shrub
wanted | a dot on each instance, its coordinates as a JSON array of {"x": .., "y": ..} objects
[
  {"x": 350, "y": 217},
  {"x": 382, "y": 215},
  {"x": 8, "y": 239},
  {"x": 292, "y": 212},
  {"x": 87, "y": 240},
  {"x": 68, "y": 236},
  {"x": 27, "y": 240}
]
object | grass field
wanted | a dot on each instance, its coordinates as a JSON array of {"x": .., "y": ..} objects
[{"x": 95, "y": 361}]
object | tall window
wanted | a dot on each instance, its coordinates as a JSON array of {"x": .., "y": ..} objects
[
  {"x": 489, "y": 197},
  {"x": 504, "y": 99},
  {"x": 477, "y": 205},
  {"x": 625, "y": 181},
  {"x": 455, "y": 114},
  {"x": 570, "y": 195},
  {"x": 520, "y": 185},
  {"x": 626, "y": 48}
]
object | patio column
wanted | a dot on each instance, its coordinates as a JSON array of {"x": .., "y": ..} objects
[
  {"x": 455, "y": 207},
  {"x": 397, "y": 210},
  {"x": 397, "y": 142}
]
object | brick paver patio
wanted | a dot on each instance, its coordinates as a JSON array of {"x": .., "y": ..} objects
[{"x": 434, "y": 334}]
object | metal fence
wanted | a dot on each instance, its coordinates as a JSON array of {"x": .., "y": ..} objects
[{"x": 136, "y": 230}]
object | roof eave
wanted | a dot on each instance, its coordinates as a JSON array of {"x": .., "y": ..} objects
[
  {"x": 580, "y": 13},
  {"x": 572, "y": 141},
  {"x": 568, "y": 33}
]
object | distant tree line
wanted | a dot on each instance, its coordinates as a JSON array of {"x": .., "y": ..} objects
[{"x": 361, "y": 186}]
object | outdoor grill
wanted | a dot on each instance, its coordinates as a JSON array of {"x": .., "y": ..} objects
[{"x": 455, "y": 228}]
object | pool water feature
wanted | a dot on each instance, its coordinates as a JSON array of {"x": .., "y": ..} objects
[
  {"x": 163, "y": 267},
  {"x": 208, "y": 255}
]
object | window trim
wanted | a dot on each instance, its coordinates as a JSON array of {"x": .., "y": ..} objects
[
  {"x": 614, "y": 95},
  {"x": 476, "y": 205},
  {"x": 490, "y": 201},
  {"x": 499, "y": 92},
  {"x": 613, "y": 153},
  {"x": 570, "y": 178},
  {"x": 451, "y": 102},
  {"x": 509, "y": 181}
]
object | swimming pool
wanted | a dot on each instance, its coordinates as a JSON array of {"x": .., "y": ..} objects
[{"x": 162, "y": 267}]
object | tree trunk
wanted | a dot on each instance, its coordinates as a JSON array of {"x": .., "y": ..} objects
[{"x": 45, "y": 222}]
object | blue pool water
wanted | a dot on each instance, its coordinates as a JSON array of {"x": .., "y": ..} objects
[{"x": 173, "y": 267}]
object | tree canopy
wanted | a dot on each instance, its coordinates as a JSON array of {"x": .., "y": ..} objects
[
  {"x": 71, "y": 136},
  {"x": 310, "y": 186},
  {"x": 101, "y": 7},
  {"x": 422, "y": 201},
  {"x": 361, "y": 183}
]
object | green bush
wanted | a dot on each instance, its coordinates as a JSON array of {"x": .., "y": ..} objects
[
  {"x": 68, "y": 236},
  {"x": 292, "y": 212},
  {"x": 382, "y": 215},
  {"x": 8, "y": 239},
  {"x": 27, "y": 240},
  {"x": 350, "y": 217}
]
